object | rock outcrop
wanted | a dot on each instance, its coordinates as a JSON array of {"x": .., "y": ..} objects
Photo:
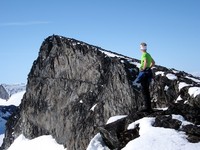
[
  {"x": 74, "y": 88},
  {"x": 116, "y": 134},
  {"x": 3, "y": 93}
]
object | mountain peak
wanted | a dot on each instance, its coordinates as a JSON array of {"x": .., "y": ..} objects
[{"x": 74, "y": 88}]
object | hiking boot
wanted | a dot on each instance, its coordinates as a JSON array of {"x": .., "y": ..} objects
[{"x": 136, "y": 87}]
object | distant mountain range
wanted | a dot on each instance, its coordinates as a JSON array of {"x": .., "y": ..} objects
[{"x": 7, "y": 90}]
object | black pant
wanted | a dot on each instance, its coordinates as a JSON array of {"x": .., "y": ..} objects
[{"x": 145, "y": 82}]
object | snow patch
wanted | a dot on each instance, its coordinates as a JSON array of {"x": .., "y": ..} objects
[
  {"x": 41, "y": 143},
  {"x": 115, "y": 118},
  {"x": 160, "y": 73},
  {"x": 194, "y": 91},
  {"x": 156, "y": 138},
  {"x": 166, "y": 88},
  {"x": 92, "y": 109},
  {"x": 180, "y": 118},
  {"x": 178, "y": 99},
  {"x": 97, "y": 143},
  {"x": 195, "y": 80},
  {"x": 171, "y": 76},
  {"x": 111, "y": 54},
  {"x": 182, "y": 85},
  {"x": 175, "y": 71}
]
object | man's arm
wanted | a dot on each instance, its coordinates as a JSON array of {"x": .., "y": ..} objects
[{"x": 152, "y": 63}]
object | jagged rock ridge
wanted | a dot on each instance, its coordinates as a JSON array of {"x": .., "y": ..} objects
[{"x": 73, "y": 88}]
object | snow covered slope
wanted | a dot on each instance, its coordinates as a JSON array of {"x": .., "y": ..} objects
[
  {"x": 150, "y": 138},
  {"x": 45, "y": 142}
]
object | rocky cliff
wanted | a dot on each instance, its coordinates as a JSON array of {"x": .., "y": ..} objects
[{"x": 74, "y": 87}]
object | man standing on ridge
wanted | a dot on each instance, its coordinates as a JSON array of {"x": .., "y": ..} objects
[{"x": 145, "y": 76}]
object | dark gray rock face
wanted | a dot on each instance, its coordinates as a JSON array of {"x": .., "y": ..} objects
[
  {"x": 3, "y": 93},
  {"x": 67, "y": 80},
  {"x": 73, "y": 88}
]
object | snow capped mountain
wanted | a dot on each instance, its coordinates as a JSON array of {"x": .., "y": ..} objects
[{"x": 14, "y": 88}]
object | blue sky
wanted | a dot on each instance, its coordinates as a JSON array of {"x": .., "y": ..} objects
[{"x": 171, "y": 28}]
